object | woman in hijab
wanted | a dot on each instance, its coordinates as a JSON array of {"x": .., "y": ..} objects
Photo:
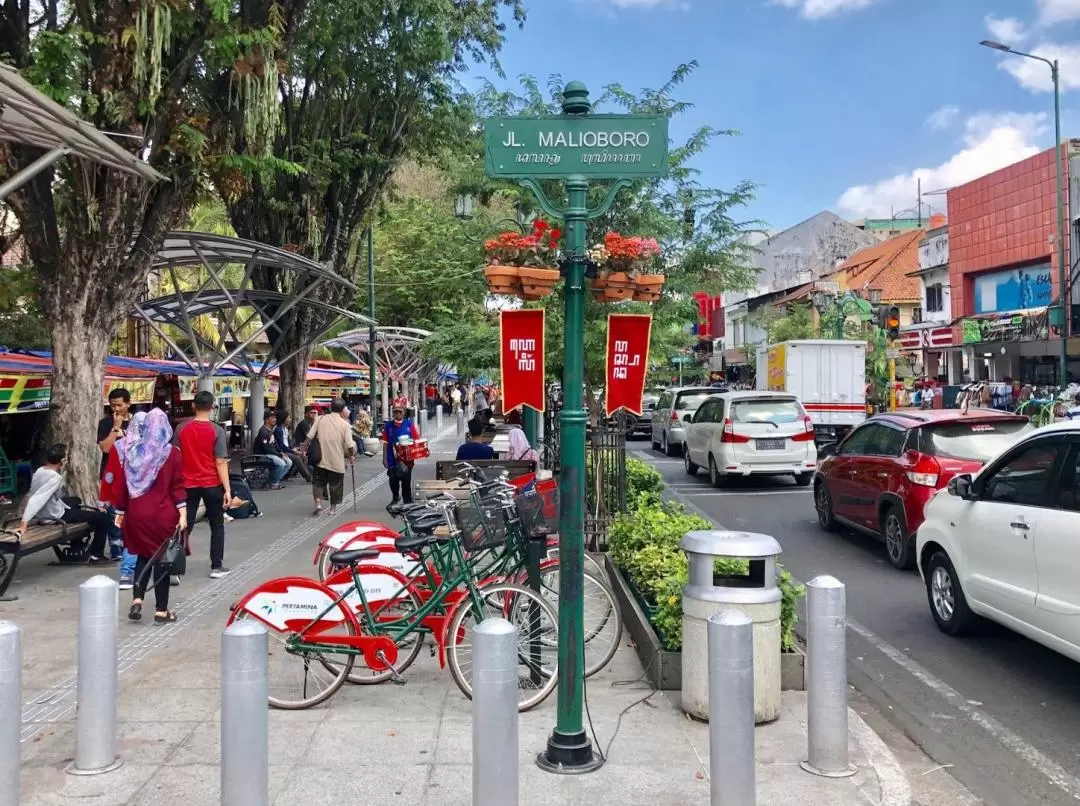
[
  {"x": 148, "y": 495},
  {"x": 520, "y": 447}
]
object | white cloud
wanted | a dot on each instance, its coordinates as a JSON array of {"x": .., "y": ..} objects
[
  {"x": 1007, "y": 30},
  {"x": 1052, "y": 11},
  {"x": 817, "y": 9},
  {"x": 1034, "y": 75},
  {"x": 943, "y": 117},
  {"x": 990, "y": 142}
]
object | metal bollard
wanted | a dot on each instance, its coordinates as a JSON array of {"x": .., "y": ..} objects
[
  {"x": 460, "y": 422},
  {"x": 245, "y": 715},
  {"x": 438, "y": 419},
  {"x": 732, "y": 780},
  {"x": 495, "y": 714},
  {"x": 95, "y": 714},
  {"x": 10, "y": 710},
  {"x": 826, "y": 679}
]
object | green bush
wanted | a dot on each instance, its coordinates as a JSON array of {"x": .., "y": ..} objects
[
  {"x": 644, "y": 544},
  {"x": 641, "y": 477}
]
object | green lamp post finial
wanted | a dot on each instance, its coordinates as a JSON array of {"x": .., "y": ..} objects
[{"x": 575, "y": 99}]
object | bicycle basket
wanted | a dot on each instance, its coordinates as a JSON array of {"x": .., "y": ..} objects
[
  {"x": 539, "y": 512},
  {"x": 481, "y": 527}
]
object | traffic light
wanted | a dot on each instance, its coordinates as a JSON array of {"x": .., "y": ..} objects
[{"x": 892, "y": 323}]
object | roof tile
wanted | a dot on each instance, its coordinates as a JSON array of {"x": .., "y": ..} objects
[{"x": 886, "y": 266}]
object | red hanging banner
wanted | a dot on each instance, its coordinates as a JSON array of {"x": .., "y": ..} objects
[
  {"x": 521, "y": 336},
  {"x": 627, "y": 361}
]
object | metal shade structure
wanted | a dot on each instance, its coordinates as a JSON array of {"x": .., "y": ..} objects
[
  {"x": 397, "y": 349},
  {"x": 244, "y": 313},
  {"x": 29, "y": 117}
]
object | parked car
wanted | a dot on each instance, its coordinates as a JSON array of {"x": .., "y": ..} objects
[
  {"x": 673, "y": 408},
  {"x": 638, "y": 426},
  {"x": 1002, "y": 543},
  {"x": 740, "y": 434},
  {"x": 880, "y": 477}
]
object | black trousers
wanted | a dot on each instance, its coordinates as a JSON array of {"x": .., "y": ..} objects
[
  {"x": 213, "y": 498},
  {"x": 400, "y": 483},
  {"x": 98, "y": 522},
  {"x": 149, "y": 573}
]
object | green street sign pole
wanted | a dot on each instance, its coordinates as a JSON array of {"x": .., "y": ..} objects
[
  {"x": 574, "y": 147},
  {"x": 528, "y": 424}
]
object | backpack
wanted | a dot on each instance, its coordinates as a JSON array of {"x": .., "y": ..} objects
[{"x": 240, "y": 489}]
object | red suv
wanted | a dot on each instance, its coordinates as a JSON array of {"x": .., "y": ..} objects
[{"x": 880, "y": 477}]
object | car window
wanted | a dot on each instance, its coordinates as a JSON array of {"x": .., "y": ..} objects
[
  {"x": 858, "y": 441},
  {"x": 979, "y": 441},
  {"x": 1067, "y": 493},
  {"x": 886, "y": 441},
  {"x": 776, "y": 410},
  {"x": 705, "y": 413},
  {"x": 664, "y": 401},
  {"x": 689, "y": 401},
  {"x": 1024, "y": 477}
]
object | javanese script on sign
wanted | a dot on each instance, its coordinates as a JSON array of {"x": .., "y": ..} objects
[
  {"x": 624, "y": 360},
  {"x": 627, "y": 361},
  {"x": 521, "y": 357}
]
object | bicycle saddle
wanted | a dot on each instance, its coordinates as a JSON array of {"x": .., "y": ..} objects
[
  {"x": 414, "y": 542},
  {"x": 425, "y": 521},
  {"x": 353, "y": 556},
  {"x": 400, "y": 509}
]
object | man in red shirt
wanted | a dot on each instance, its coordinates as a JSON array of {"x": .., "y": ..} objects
[{"x": 204, "y": 450}]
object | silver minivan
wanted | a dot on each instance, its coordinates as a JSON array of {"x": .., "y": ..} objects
[{"x": 674, "y": 407}]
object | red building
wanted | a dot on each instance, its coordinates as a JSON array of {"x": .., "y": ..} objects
[{"x": 1003, "y": 272}]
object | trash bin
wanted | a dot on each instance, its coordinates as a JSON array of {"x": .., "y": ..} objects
[{"x": 755, "y": 594}]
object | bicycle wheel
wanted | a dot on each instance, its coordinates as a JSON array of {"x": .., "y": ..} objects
[
  {"x": 602, "y": 623},
  {"x": 592, "y": 565},
  {"x": 537, "y": 625},
  {"x": 408, "y": 648},
  {"x": 299, "y": 680}
]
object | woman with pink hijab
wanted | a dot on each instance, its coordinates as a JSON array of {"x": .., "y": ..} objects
[{"x": 520, "y": 447}]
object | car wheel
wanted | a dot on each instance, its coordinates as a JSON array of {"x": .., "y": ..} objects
[
  {"x": 691, "y": 468},
  {"x": 899, "y": 545},
  {"x": 666, "y": 446},
  {"x": 652, "y": 440},
  {"x": 716, "y": 479},
  {"x": 823, "y": 505},
  {"x": 804, "y": 479},
  {"x": 948, "y": 605}
]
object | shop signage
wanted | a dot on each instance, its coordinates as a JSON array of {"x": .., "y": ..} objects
[
  {"x": 237, "y": 386},
  {"x": 627, "y": 361},
  {"x": 1016, "y": 327},
  {"x": 521, "y": 339},
  {"x": 593, "y": 146},
  {"x": 1014, "y": 290},
  {"x": 25, "y": 393}
]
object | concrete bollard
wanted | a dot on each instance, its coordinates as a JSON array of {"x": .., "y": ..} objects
[
  {"x": 460, "y": 422},
  {"x": 10, "y": 710},
  {"x": 495, "y": 714},
  {"x": 95, "y": 715},
  {"x": 245, "y": 715},
  {"x": 732, "y": 780},
  {"x": 826, "y": 679},
  {"x": 438, "y": 419}
]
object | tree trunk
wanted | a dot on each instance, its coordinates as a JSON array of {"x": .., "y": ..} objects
[
  {"x": 291, "y": 383},
  {"x": 76, "y": 404}
]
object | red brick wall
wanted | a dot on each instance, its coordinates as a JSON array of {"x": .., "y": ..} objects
[{"x": 1001, "y": 219}]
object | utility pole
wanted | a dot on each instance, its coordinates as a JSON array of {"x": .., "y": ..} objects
[{"x": 373, "y": 394}]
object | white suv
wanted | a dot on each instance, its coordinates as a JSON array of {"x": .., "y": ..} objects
[
  {"x": 750, "y": 433},
  {"x": 1005, "y": 544}
]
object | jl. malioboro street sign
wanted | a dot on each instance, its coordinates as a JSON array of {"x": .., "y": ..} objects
[{"x": 592, "y": 146}]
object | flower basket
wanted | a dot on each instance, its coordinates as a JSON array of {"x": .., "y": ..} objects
[
  {"x": 599, "y": 289},
  {"x": 648, "y": 287},
  {"x": 620, "y": 286},
  {"x": 537, "y": 283},
  {"x": 503, "y": 279}
]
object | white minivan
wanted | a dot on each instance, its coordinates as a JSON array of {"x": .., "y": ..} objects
[{"x": 749, "y": 434}]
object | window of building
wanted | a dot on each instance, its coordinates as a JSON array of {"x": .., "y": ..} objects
[
  {"x": 916, "y": 315},
  {"x": 935, "y": 298}
]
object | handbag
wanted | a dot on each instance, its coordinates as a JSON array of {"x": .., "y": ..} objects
[
  {"x": 173, "y": 559},
  {"x": 314, "y": 452}
]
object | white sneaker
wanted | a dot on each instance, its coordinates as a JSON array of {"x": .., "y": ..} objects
[
  {"x": 126, "y": 583},
  {"x": 219, "y": 573},
  {"x": 174, "y": 580}
]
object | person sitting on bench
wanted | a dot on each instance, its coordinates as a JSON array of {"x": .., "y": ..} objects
[
  {"x": 44, "y": 500},
  {"x": 474, "y": 447}
]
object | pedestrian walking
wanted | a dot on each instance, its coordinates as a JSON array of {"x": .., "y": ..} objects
[
  {"x": 399, "y": 473},
  {"x": 147, "y": 477},
  {"x": 204, "y": 451},
  {"x": 332, "y": 435},
  {"x": 111, "y": 428}
]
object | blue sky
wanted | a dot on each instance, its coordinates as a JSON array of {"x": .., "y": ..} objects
[{"x": 841, "y": 103}]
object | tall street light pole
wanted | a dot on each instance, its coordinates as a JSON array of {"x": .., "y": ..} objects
[
  {"x": 373, "y": 393},
  {"x": 1063, "y": 278}
]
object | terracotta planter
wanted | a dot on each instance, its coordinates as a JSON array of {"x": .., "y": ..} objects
[
  {"x": 648, "y": 287},
  {"x": 503, "y": 279},
  {"x": 599, "y": 288},
  {"x": 537, "y": 283},
  {"x": 620, "y": 279}
]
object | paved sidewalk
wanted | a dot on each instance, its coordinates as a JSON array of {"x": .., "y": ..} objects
[{"x": 377, "y": 745}]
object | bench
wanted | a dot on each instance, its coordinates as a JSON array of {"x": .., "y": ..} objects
[
  {"x": 57, "y": 536},
  {"x": 447, "y": 470}
]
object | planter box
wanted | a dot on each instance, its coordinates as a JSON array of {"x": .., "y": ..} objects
[{"x": 662, "y": 668}]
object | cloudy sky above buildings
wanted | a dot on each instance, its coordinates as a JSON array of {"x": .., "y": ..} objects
[{"x": 840, "y": 104}]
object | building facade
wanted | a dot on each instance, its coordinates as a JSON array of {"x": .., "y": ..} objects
[{"x": 928, "y": 340}]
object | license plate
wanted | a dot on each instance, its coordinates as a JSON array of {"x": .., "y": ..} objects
[{"x": 771, "y": 444}]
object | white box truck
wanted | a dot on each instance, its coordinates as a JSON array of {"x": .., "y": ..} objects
[{"x": 827, "y": 376}]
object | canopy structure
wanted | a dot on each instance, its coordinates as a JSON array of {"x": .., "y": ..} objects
[
  {"x": 397, "y": 349},
  {"x": 29, "y": 117},
  {"x": 213, "y": 275}
]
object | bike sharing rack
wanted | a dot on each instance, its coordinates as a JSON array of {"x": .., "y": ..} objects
[{"x": 244, "y": 312}]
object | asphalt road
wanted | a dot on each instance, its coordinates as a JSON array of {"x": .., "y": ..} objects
[{"x": 1002, "y": 711}]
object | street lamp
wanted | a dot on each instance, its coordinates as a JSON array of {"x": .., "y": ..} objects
[{"x": 1062, "y": 276}]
